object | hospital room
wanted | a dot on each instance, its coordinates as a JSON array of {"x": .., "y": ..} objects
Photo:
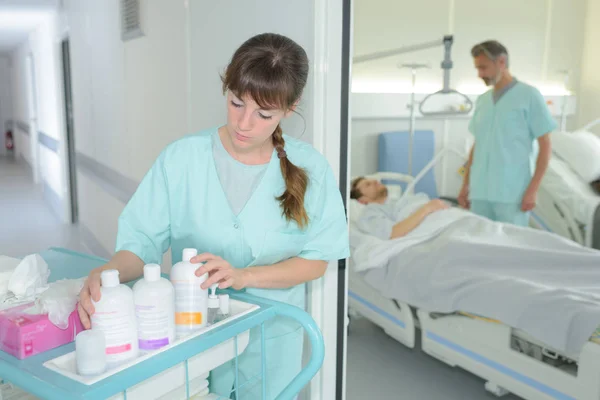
[
  {"x": 312, "y": 200},
  {"x": 474, "y": 208}
]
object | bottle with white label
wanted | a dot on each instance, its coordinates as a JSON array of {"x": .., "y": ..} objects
[
  {"x": 190, "y": 299},
  {"x": 115, "y": 316},
  {"x": 154, "y": 299}
]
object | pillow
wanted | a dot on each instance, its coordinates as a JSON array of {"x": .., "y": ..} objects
[
  {"x": 355, "y": 210},
  {"x": 581, "y": 151}
]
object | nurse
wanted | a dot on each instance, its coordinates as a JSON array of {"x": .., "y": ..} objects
[
  {"x": 264, "y": 209},
  {"x": 503, "y": 174}
]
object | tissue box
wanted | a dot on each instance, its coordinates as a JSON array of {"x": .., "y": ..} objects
[{"x": 23, "y": 335}]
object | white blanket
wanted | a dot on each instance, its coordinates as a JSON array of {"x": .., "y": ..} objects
[{"x": 532, "y": 280}]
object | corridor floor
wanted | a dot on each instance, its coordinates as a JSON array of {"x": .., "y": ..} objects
[{"x": 27, "y": 224}]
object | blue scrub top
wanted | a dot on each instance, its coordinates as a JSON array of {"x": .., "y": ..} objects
[{"x": 505, "y": 142}]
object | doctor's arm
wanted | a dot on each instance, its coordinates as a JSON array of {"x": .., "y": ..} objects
[
  {"x": 463, "y": 196},
  {"x": 545, "y": 152}
]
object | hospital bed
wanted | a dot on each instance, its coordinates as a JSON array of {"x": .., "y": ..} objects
[
  {"x": 566, "y": 205},
  {"x": 508, "y": 359}
]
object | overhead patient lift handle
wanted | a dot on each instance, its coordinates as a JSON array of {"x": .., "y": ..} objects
[{"x": 446, "y": 66}]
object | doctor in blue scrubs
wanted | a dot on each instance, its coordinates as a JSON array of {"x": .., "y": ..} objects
[
  {"x": 263, "y": 208},
  {"x": 511, "y": 124}
]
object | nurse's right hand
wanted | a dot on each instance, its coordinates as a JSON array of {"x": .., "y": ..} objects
[{"x": 89, "y": 291}]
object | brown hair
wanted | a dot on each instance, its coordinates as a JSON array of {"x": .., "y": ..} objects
[
  {"x": 273, "y": 69},
  {"x": 355, "y": 192}
]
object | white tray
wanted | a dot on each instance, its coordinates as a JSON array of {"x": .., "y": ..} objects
[{"x": 173, "y": 378}]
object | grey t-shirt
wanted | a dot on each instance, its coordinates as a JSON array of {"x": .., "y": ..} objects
[
  {"x": 238, "y": 180},
  {"x": 500, "y": 93}
]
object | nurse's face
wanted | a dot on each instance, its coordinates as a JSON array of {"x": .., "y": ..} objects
[
  {"x": 248, "y": 125},
  {"x": 372, "y": 191},
  {"x": 489, "y": 71}
]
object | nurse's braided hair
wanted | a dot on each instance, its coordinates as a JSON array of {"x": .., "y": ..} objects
[{"x": 273, "y": 69}]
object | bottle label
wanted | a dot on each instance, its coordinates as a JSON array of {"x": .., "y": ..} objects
[
  {"x": 153, "y": 344},
  {"x": 118, "y": 349},
  {"x": 117, "y": 328},
  {"x": 189, "y": 300},
  {"x": 188, "y": 318},
  {"x": 153, "y": 325}
]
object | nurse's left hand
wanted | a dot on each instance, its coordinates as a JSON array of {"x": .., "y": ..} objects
[
  {"x": 219, "y": 271},
  {"x": 529, "y": 200}
]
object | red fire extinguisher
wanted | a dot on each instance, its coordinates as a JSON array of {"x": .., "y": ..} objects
[{"x": 8, "y": 140}]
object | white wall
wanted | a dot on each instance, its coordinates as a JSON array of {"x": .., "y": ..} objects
[
  {"x": 19, "y": 102},
  {"x": 539, "y": 47},
  {"x": 5, "y": 99},
  {"x": 589, "y": 104},
  {"x": 129, "y": 98},
  {"x": 43, "y": 45},
  {"x": 380, "y": 90}
]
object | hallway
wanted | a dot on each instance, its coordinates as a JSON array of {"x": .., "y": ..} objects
[{"x": 27, "y": 224}]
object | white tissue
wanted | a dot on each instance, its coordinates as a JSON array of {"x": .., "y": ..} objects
[
  {"x": 58, "y": 301},
  {"x": 30, "y": 277},
  {"x": 7, "y": 267}
]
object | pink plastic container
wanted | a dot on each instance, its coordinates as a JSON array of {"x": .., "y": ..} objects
[{"x": 23, "y": 335}]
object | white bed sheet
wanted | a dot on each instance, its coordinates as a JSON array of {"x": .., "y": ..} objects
[
  {"x": 571, "y": 190},
  {"x": 541, "y": 283}
]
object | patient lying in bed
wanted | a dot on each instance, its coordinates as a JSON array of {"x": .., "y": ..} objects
[
  {"x": 421, "y": 252},
  {"x": 387, "y": 218}
]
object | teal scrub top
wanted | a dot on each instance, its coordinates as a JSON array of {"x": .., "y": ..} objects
[
  {"x": 180, "y": 203},
  {"x": 505, "y": 142}
]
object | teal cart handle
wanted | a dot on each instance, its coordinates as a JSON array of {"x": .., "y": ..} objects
[
  {"x": 316, "y": 342},
  {"x": 317, "y": 350}
]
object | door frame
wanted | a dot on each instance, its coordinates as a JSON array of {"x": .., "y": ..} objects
[
  {"x": 328, "y": 296},
  {"x": 69, "y": 129},
  {"x": 33, "y": 115}
]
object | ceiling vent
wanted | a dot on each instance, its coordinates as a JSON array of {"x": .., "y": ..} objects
[{"x": 130, "y": 20}]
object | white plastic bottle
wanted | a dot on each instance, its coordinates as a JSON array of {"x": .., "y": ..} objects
[
  {"x": 154, "y": 299},
  {"x": 190, "y": 299},
  {"x": 213, "y": 305},
  {"x": 115, "y": 316},
  {"x": 224, "y": 312}
]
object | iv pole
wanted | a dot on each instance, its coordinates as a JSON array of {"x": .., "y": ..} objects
[
  {"x": 563, "y": 115},
  {"x": 446, "y": 66},
  {"x": 413, "y": 114}
]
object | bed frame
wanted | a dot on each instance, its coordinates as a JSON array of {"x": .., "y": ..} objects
[
  {"x": 483, "y": 347},
  {"x": 551, "y": 214}
]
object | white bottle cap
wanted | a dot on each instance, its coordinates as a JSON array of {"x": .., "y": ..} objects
[
  {"x": 152, "y": 272},
  {"x": 90, "y": 352},
  {"x": 213, "y": 300},
  {"x": 188, "y": 254},
  {"x": 224, "y": 300},
  {"x": 110, "y": 278}
]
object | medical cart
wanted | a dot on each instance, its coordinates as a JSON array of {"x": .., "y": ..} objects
[{"x": 51, "y": 375}]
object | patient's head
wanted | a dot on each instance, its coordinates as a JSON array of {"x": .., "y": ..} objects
[{"x": 368, "y": 190}]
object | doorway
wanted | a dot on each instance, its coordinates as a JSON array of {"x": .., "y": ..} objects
[{"x": 70, "y": 132}]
